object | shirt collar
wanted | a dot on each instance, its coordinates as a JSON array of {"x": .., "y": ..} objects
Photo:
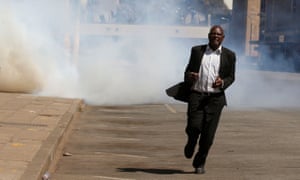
[{"x": 217, "y": 51}]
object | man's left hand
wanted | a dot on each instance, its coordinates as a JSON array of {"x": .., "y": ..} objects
[{"x": 218, "y": 83}]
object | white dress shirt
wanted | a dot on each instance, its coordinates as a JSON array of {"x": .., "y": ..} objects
[{"x": 209, "y": 71}]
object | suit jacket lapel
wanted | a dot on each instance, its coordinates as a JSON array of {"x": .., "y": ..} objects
[{"x": 201, "y": 53}]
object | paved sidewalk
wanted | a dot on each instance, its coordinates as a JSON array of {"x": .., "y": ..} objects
[{"x": 31, "y": 128}]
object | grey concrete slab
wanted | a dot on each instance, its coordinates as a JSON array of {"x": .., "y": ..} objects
[
  {"x": 30, "y": 129},
  {"x": 147, "y": 141}
]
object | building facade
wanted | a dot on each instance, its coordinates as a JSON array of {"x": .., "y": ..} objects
[{"x": 267, "y": 32}]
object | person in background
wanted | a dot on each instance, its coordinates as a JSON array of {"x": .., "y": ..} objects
[{"x": 210, "y": 71}]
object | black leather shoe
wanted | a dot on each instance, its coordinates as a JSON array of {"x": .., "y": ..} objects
[
  {"x": 189, "y": 149},
  {"x": 200, "y": 170}
]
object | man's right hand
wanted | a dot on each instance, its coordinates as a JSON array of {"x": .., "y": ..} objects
[{"x": 193, "y": 76}]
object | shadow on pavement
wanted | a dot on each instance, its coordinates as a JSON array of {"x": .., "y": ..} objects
[{"x": 154, "y": 171}]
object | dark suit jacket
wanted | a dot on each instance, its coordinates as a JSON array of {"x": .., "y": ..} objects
[{"x": 227, "y": 65}]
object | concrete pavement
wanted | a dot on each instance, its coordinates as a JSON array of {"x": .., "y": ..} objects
[
  {"x": 250, "y": 144},
  {"x": 31, "y": 128},
  {"x": 145, "y": 142}
]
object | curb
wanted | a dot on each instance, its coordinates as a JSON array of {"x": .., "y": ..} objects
[{"x": 46, "y": 155}]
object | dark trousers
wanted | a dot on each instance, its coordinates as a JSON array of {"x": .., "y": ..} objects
[{"x": 203, "y": 117}]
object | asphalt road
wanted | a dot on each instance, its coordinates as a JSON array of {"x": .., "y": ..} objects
[{"x": 146, "y": 142}]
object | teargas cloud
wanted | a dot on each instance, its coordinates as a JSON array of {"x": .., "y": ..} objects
[{"x": 118, "y": 52}]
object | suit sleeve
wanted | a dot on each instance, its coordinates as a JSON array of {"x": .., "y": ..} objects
[
  {"x": 188, "y": 68},
  {"x": 193, "y": 64},
  {"x": 229, "y": 77}
]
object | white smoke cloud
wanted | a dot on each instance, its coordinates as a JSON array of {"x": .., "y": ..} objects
[
  {"x": 129, "y": 70},
  {"x": 123, "y": 70},
  {"x": 18, "y": 71},
  {"x": 31, "y": 56},
  {"x": 254, "y": 88}
]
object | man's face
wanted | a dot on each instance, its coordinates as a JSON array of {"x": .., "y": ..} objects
[{"x": 215, "y": 37}]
